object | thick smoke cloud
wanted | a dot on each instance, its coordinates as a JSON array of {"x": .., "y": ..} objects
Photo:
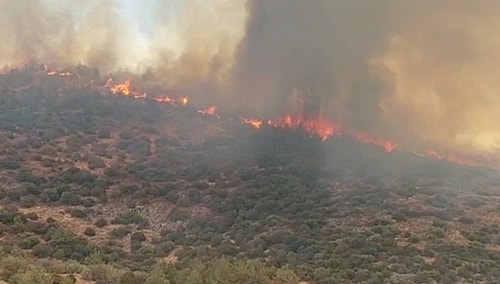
[
  {"x": 323, "y": 45},
  {"x": 182, "y": 45},
  {"x": 62, "y": 33},
  {"x": 420, "y": 72},
  {"x": 442, "y": 67}
]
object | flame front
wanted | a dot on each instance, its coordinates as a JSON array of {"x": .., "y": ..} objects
[
  {"x": 56, "y": 73},
  {"x": 365, "y": 138},
  {"x": 165, "y": 100},
  {"x": 125, "y": 89},
  {"x": 253, "y": 122},
  {"x": 314, "y": 126},
  {"x": 450, "y": 158},
  {"x": 212, "y": 111}
]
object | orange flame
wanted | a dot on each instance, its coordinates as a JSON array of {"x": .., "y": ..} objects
[
  {"x": 253, "y": 122},
  {"x": 388, "y": 145},
  {"x": 212, "y": 110},
  {"x": 183, "y": 101},
  {"x": 165, "y": 99},
  {"x": 125, "y": 89},
  {"x": 315, "y": 127}
]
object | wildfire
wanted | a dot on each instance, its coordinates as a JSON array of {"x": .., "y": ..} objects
[
  {"x": 125, "y": 89},
  {"x": 61, "y": 74},
  {"x": 212, "y": 110},
  {"x": 253, "y": 122},
  {"x": 450, "y": 158},
  {"x": 315, "y": 127},
  {"x": 183, "y": 101},
  {"x": 388, "y": 145},
  {"x": 165, "y": 99}
]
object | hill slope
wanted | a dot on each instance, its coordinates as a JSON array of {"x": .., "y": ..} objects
[{"x": 96, "y": 179}]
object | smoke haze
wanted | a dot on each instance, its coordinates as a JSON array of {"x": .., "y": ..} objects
[{"x": 420, "y": 72}]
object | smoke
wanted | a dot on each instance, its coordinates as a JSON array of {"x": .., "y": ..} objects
[
  {"x": 442, "y": 68},
  {"x": 61, "y": 33},
  {"x": 180, "y": 44},
  {"x": 323, "y": 45},
  {"x": 420, "y": 72}
]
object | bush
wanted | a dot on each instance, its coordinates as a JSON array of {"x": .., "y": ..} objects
[
  {"x": 69, "y": 198},
  {"x": 49, "y": 195},
  {"x": 28, "y": 201},
  {"x": 120, "y": 232},
  {"x": 10, "y": 164},
  {"x": 475, "y": 202},
  {"x": 42, "y": 250},
  {"x": 89, "y": 232},
  {"x": 138, "y": 237},
  {"x": 32, "y": 216},
  {"x": 78, "y": 213},
  {"x": 131, "y": 217},
  {"x": 7, "y": 216},
  {"x": 96, "y": 163},
  {"x": 104, "y": 133},
  {"x": 15, "y": 194},
  {"x": 100, "y": 223},
  {"x": 29, "y": 242},
  {"x": 164, "y": 248},
  {"x": 129, "y": 278}
]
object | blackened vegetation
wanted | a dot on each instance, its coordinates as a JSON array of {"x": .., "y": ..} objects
[{"x": 330, "y": 212}]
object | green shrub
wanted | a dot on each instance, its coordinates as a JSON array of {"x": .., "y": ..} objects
[
  {"x": 120, "y": 232},
  {"x": 28, "y": 242},
  {"x": 130, "y": 217},
  {"x": 28, "y": 201},
  {"x": 42, "y": 250},
  {"x": 78, "y": 213},
  {"x": 49, "y": 195},
  {"x": 69, "y": 198}
]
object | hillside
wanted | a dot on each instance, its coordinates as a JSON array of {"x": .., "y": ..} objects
[{"x": 113, "y": 189}]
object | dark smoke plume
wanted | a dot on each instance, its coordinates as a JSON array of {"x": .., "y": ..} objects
[
  {"x": 320, "y": 45},
  {"x": 421, "y": 72}
]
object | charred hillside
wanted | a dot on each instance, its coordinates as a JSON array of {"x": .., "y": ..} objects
[{"x": 102, "y": 179}]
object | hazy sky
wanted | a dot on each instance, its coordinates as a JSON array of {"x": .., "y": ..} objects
[{"x": 141, "y": 13}]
